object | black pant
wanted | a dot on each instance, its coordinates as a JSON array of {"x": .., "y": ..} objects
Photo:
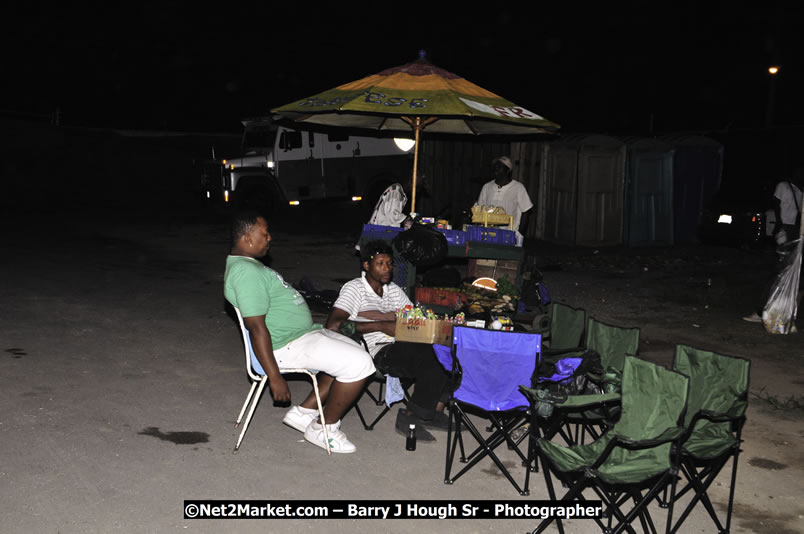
[{"x": 417, "y": 361}]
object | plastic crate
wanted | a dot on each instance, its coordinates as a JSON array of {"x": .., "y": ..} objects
[
  {"x": 454, "y": 237},
  {"x": 451, "y": 298},
  {"x": 492, "y": 236},
  {"x": 498, "y": 216},
  {"x": 376, "y": 231}
]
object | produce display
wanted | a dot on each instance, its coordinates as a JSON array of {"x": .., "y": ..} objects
[
  {"x": 480, "y": 300},
  {"x": 474, "y": 300}
]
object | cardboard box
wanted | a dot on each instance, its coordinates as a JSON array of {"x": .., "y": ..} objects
[{"x": 421, "y": 330}]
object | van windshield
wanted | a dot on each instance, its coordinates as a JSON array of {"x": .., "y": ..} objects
[{"x": 259, "y": 140}]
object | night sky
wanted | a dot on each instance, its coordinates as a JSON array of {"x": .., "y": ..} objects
[{"x": 692, "y": 66}]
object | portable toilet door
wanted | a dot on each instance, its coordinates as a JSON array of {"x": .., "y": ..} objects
[
  {"x": 650, "y": 192},
  {"x": 601, "y": 184},
  {"x": 697, "y": 168},
  {"x": 558, "y": 192}
]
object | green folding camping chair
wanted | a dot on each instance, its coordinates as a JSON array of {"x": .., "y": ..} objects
[
  {"x": 567, "y": 325},
  {"x": 634, "y": 460},
  {"x": 613, "y": 344},
  {"x": 714, "y": 421}
]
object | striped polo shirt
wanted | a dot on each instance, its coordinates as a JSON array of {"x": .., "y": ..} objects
[{"x": 357, "y": 296}]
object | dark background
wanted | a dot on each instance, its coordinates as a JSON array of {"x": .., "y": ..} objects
[{"x": 629, "y": 68}]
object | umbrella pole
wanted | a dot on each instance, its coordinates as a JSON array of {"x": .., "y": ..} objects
[{"x": 417, "y": 128}]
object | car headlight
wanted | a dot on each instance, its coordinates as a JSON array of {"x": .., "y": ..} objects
[{"x": 724, "y": 219}]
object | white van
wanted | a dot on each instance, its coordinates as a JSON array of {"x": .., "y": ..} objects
[{"x": 282, "y": 166}]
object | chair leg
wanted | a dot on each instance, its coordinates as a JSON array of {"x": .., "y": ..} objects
[
  {"x": 320, "y": 411},
  {"x": 552, "y": 493},
  {"x": 361, "y": 417},
  {"x": 733, "y": 484},
  {"x": 485, "y": 449},
  {"x": 452, "y": 443},
  {"x": 673, "y": 482},
  {"x": 245, "y": 404},
  {"x": 641, "y": 503},
  {"x": 699, "y": 490},
  {"x": 379, "y": 400},
  {"x": 255, "y": 400}
]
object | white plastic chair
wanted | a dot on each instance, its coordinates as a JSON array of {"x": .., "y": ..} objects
[{"x": 258, "y": 382}]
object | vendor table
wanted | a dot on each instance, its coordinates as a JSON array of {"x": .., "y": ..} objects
[{"x": 405, "y": 272}]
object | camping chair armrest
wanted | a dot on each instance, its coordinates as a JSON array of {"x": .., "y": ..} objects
[
  {"x": 669, "y": 434},
  {"x": 574, "y": 401},
  {"x": 590, "y": 401},
  {"x": 735, "y": 413},
  {"x": 529, "y": 393}
]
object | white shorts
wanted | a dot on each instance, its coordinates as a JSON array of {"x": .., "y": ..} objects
[{"x": 327, "y": 351}]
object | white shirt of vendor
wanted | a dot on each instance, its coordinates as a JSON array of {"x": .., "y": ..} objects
[{"x": 512, "y": 197}]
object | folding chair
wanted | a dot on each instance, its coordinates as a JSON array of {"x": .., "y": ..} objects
[
  {"x": 259, "y": 380},
  {"x": 612, "y": 343},
  {"x": 639, "y": 454},
  {"x": 567, "y": 326},
  {"x": 491, "y": 364},
  {"x": 378, "y": 398},
  {"x": 714, "y": 422}
]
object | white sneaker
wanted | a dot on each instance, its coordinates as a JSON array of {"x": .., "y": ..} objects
[
  {"x": 753, "y": 318},
  {"x": 337, "y": 439},
  {"x": 299, "y": 418}
]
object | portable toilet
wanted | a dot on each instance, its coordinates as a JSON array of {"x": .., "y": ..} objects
[
  {"x": 649, "y": 193},
  {"x": 697, "y": 169},
  {"x": 581, "y": 191}
]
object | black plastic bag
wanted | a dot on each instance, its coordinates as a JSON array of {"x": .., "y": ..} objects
[
  {"x": 421, "y": 245},
  {"x": 582, "y": 381}
]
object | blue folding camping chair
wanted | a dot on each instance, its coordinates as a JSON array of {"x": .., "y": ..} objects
[{"x": 490, "y": 366}]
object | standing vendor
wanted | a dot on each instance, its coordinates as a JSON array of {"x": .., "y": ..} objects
[{"x": 507, "y": 193}]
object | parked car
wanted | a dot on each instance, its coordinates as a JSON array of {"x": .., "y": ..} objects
[{"x": 739, "y": 217}]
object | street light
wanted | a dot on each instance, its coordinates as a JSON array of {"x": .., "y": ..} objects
[{"x": 773, "y": 70}]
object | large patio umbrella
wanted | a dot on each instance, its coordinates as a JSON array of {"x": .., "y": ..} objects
[{"x": 414, "y": 96}]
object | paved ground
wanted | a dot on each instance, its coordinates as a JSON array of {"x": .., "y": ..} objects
[{"x": 121, "y": 375}]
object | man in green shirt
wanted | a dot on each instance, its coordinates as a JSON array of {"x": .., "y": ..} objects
[{"x": 283, "y": 335}]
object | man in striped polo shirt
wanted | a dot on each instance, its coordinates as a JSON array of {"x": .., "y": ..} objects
[{"x": 370, "y": 302}]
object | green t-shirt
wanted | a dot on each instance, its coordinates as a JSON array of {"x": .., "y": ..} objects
[{"x": 256, "y": 289}]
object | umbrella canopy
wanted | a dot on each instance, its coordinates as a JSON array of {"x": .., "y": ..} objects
[{"x": 414, "y": 96}]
